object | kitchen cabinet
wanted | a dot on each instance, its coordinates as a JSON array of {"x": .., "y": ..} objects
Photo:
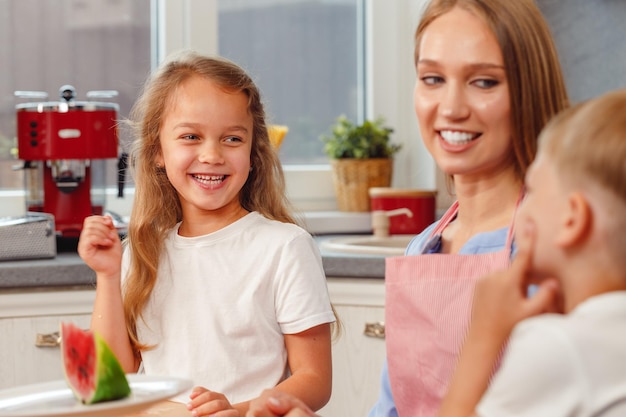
[
  {"x": 357, "y": 357},
  {"x": 25, "y": 315}
]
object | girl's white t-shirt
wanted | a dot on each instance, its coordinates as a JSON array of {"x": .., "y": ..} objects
[{"x": 223, "y": 301}]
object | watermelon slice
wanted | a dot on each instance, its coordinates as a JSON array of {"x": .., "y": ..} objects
[{"x": 91, "y": 369}]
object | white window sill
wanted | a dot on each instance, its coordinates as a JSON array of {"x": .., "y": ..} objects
[
  {"x": 331, "y": 222},
  {"x": 309, "y": 188},
  {"x": 316, "y": 221}
]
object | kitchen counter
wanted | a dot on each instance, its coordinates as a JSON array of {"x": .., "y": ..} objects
[
  {"x": 348, "y": 265},
  {"x": 65, "y": 270},
  {"x": 68, "y": 270}
]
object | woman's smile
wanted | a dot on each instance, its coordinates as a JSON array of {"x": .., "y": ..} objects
[{"x": 454, "y": 137}]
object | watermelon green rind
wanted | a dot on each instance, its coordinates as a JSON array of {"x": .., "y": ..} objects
[
  {"x": 112, "y": 383},
  {"x": 91, "y": 369}
]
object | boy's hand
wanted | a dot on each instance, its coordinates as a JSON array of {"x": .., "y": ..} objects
[
  {"x": 501, "y": 300},
  {"x": 273, "y": 403},
  {"x": 100, "y": 246}
]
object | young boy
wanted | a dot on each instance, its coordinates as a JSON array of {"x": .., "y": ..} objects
[{"x": 571, "y": 242}]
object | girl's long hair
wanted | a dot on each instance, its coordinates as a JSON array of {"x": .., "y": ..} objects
[{"x": 156, "y": 208}]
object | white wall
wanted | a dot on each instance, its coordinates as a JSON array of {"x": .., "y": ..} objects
[{"x": 390, "y": 39}]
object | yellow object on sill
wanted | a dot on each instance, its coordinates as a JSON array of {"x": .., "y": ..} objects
[{"x": 277, "y": 134}]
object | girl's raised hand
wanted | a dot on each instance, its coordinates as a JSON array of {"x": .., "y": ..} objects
[
  {"x": 209, "y": 403},
  {"x": 100, "y": 247}
]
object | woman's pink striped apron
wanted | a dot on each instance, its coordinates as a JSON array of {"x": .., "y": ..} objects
[{"x": 427, "y": 311}]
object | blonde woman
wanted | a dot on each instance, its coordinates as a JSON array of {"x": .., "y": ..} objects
[{"x": 488, "y": 80}]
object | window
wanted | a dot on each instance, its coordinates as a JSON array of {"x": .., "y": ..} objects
[
  {"x": 315, "y": 60},
  {"x": 89, "y": 44},
  {"x": 306, "y": 57}
]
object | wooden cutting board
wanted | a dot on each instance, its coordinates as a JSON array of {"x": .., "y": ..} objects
[{"x": 163, "y": 409}]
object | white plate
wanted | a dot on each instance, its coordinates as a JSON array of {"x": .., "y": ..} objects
[{"x": 51, "y": 399}]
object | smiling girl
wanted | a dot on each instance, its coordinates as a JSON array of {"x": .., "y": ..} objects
[{"x": 216, "y": 282}]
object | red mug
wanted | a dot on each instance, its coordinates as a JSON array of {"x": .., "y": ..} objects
[{"x": 420, "y": 202}]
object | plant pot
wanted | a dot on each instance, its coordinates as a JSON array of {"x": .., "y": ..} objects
[{"x": 352, "y": 179}]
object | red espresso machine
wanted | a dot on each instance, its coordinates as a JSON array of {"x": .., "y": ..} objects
[{"x": 64, "y": 146}]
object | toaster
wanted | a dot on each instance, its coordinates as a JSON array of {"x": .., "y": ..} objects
[{"x": 27, "y": 237}]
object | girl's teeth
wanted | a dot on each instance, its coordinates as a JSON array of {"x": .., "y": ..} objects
[
  {"x": 457, "y": 138},
  {"x": 208, "y": 179}
]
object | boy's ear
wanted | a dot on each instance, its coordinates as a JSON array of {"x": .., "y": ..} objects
[{"x": 576, "y": 222}]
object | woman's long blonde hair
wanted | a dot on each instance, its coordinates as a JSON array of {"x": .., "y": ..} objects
[
  {"x": 536, "y": 85},
  {"x": 157, "y": 208}
]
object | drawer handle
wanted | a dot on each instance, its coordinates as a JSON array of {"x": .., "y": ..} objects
[
  {"x": 48, "y": 340},
  {"x": 375, "y": 330}
]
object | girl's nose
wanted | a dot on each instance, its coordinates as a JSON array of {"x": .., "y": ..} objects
[
  {"x": 453, "y": 103},
  {"x": 211, "y": 152}
]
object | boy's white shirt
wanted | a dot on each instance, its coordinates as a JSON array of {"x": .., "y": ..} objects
[
  {"x": 223, "y": 301},
  {"x": 564, "y": 365}
]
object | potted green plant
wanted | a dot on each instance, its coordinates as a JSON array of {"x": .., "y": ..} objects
[{"x": 362, "y": 157}]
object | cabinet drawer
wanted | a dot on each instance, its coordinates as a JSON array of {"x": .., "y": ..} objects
[
  {"x": 21, "y": 361},
  {"x": 23, "y": 316},
  {"x": 359, "y": 353}
]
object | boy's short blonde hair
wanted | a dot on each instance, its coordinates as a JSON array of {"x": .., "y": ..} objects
[
  {"x": 588, "y": 141},
  {"x": 587, "y": 144}
]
